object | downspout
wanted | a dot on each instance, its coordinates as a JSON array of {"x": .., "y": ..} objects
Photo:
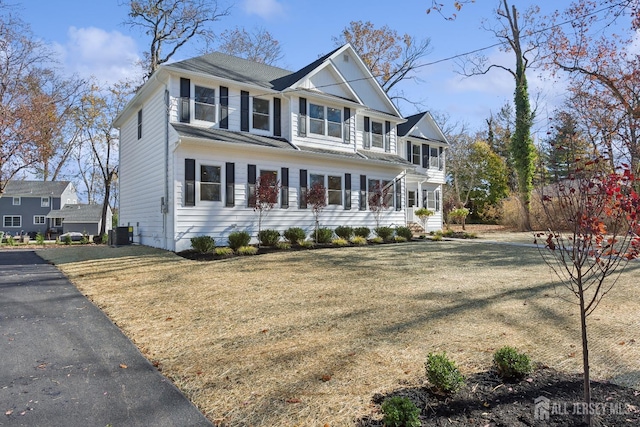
[{"x": 165, "y": 204}]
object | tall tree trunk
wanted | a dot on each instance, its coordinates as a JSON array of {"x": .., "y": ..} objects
[{"x": 585, "y": 357}]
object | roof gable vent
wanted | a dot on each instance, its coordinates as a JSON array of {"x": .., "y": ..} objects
[{"x": 345, "y": 57}]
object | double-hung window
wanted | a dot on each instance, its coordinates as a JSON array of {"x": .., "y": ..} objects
[
  {"x": 261, "y": 114},
  {"x": 57, "y": 222},
  {"x": 432, "y": 200},
  {"x": 376, "y": 134},
  {"x": 316, "y": 179},
  {"x": 380, "y": 191},
  {"x": 13, "y": 221},
  {"x": 325, "y": 120},
  {"x": 434, "y": 158},
  {"x": 39, "y": 220},
  {"x": 415, "y": 154},
  {"x": 44, "y": 202},
  {"x": 210, "y": 183},
  {"x": 17, "y": 201},
  {"x": 205, "y": 104},
  {"x": 335, "y": 190}
]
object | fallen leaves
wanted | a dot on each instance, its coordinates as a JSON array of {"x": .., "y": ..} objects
[{"x": 123, "y": 366}]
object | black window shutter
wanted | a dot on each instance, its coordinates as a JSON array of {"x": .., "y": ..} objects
[
  {"x": 244, "y": 111},
  {"x": 230, "y": 169},
  {"x": 302, "y": 117},
  {"x": 363, "y": 192},
  {"x": 346, "y": 127},
  {"x": 140, "y": 123},
  {"x": 387, "y": 136},
  {"x": 185, "y": 99},
  {"x": 224, "y": 107},
  {"x": 441, "y": 159},
  {"x": 425, "y": 156},
  {"x": 398, "y": 194},
  {"x": 303, "y": 188},
  {"x": 190, "y": 182},
  {"x": 409, "y": 152},
  {"x": 284, "y": 190},
  {"x": 277, "y": 112},
  {"x": 347, "y": 191},
  {"x": 367, "y": 135},
  {"x": 251, "y": 186}
]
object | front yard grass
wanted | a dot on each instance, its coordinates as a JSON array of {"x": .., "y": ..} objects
[{"x": 307, "y": 338}]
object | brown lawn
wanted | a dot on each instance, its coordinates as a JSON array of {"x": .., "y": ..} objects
[{"x": 307, "y": 338}]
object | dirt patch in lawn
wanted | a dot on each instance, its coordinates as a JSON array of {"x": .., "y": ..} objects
[{"x": 310, "y": 337}]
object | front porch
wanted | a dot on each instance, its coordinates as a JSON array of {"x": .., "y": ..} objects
[{"x": 420, "y": 193}]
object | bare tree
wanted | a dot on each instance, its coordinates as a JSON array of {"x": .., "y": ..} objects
[
  {"x": 257, "y": 45},
  {"x": 391, "y": 57},
  {"x": 171, "y": 24}
]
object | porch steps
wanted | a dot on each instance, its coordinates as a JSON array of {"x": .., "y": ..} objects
[{"x": 416, "y": 228}]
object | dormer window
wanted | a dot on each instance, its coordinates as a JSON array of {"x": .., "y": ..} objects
[
  {"x": 325, "y": 120},
  {"x": 205, "y": 104},
  {"x": 376, "y": 134}
]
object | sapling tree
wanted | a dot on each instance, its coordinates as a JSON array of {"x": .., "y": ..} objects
[
  {"x": 379, "y": 198},
  {"x": 459, "y": 215},
  {"x": 423, "y": 215},
  {"x": 317, "y": 198},
  {"x": 265, "y": 197},
  {"x": 594, "y": 230}
]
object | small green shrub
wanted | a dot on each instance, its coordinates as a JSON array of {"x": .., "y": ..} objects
[
  {"x": 40, "y": 239},
  {"x": 67, "y": 239},
  {"x": 362, "y": 232},
  {"x": 323, "y": 235},
  {"x": 203, "y": 244},
  {"x": 384, "y": 232},
  {"x": 11, "y": 241},
  {"x": 237, "y": 239},
  {"x": 269, "y": 237},
  {"x": 295, "y": 235},
  {"x": 399, "y": 239},
  {"x": 404, "y": 232},
  {"x": 359, "y": 240},
  {"x": 285, "y": 246},
  {"x": 105, "y": 239},
  {"x": 423, "y": 213},
  {"x": 443, "y": 373},
  {"x": 247, "y": 250},
  {"x": 307, "y": 244},
  {"x": 223, "y": 251},
  {"x": 510, "y": 364},
  {"x": 437, "y": 237},
  {"x": 340, "y": 242},
  {"x": 344, "y": 232},
  {"x": 400, "y": 412},
  {"x": 377, "y": 239}
]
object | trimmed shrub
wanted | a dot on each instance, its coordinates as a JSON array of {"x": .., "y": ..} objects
[
  {"x": 404, "y": 232},
  {"x": 443, "y": 373},
  {"x": 294, "y": 235},
  {"x": 510, "y": 364},
  {"x": 307, "y": 244},
  {"x": 384, "y": 232},
  {"x": 237, "y": 239},
  {"x": 362, "y": 232},
  {"x": 324, "y": 235},
  {"x": 247, "y": 250},
  {"x": 400, "y": 412},
  {"x": 269, "y": 237},
  {"x": 67, "y": 239},
  {"x": 203, "y": 244},
  {"x": 224, "y": 251},
  {"x": 285, "y": 246},
  {"x": 11, "y": 241},
  {"x": 344, "y": 232},
  {"x": 40, "y": 239},
  {"x": 399, "y": 239},
  {"x": 377, "y": 239},
  {"x": 340, "y": 242},
  {"x": 359, "y": 240}
]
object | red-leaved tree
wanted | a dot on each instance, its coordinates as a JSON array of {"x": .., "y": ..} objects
[
  {"x": 317, "y": 197},
  {"x": 265, "y": 197},
  {"x": 594, "y": 230},
  {"x": 379, "y": 200}
]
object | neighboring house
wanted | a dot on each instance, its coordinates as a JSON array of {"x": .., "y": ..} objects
[
  {"x": 199, "y": 133},
  {"x": 81, "y": 218},
  {"x": 24, "y": 206}
]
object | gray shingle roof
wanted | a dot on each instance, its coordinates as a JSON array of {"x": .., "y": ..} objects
[
  {"x": 78, "y": 213},
  {"x": 230, "y": 136},
  {"x": 36, "y": 188},
  {"x": 405, "y": 128},
  {"x": 349, "y": 154},
  {"x": 384, "y": 157}
]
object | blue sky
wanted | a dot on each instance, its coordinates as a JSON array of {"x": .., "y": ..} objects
[{"x": 91, "y": 40}]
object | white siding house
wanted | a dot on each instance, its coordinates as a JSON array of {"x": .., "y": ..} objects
[{"x": 200, "y": 132}]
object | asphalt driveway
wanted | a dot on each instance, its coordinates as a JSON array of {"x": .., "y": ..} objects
[{"x": 64, "y": 363}]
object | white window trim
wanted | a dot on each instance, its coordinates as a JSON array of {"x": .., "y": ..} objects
[
  {"x": 216, "y": 105},
  {"x": 437, "y": 157},
  {"x": 269, "y": 121},
  {"x": 44, "y": 220},
  {"x": 390, "y": 193},
  {"x": 44, "y": 202},
  {"x": 199, "y": 183},
  {"x": 57, "y": 222},
  {"x": 325, "y": 122},
  {"x": 17, "y": 201},
  {"x": 340, "y": 191},
  {"x": 371, "y": 134},
  {"x": 13, "y": 217}
]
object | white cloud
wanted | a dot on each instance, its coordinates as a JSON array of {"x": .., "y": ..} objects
[
  {"x": 266, "y": 9},
  {"x": 108, "y": 56}
]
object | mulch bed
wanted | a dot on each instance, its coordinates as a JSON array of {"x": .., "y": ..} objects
[{"x": 486, "y": 401}]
